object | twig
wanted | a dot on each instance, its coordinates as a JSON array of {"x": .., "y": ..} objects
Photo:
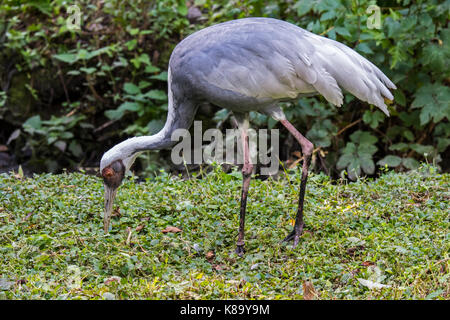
[
  {"x": 61, "y": 78},
  {"x": 129, "y": 236},
  {"x": 105, "y": 125},
  {"x": 294, "y": 164},
  {"x": 423, "y": 137},
  {"x": 71, "y": 113},
  {"x": 326, "y": 31},
  {"x": 94, "y": 92},
  {"x": 348, "y": 126}
]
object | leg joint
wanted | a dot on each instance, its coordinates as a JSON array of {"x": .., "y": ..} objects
[
  {"x": 307, "y": 148},
  {"x": 247, "y": 169}
]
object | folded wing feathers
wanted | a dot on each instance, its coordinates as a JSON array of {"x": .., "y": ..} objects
[
  {"x": 299, "y": 62},
  {"x": 334, "y": 65}
]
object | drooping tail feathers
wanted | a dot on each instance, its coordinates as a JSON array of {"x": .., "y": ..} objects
[{"x": 352, "y": 72}]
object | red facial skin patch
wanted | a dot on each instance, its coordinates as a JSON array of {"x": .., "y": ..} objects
[{"x": 107, "y": 172}]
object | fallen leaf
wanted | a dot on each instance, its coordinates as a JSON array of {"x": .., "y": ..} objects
[
  {"x": 372, "y": 285},
  {"x": 128, "y": 236},
  {"x": 210, "y": 255},
  {"x": 5, "y": 284},
  {"x": 112, "y": 279},
  {"x": 116, "y": 212},
  {"x": 254, "y": 266},
  {"x": 367, "y": 263},
  {"x": 297, "y": 154},
  {"x": 171, "y": 229},
  {"x": 356, "y": 271},
  {"x": 19, "y": 175},
  {"x": 13, "y": 136},
  {"x": 309, "y": 293},
  {"x": 139, "y": 228},
  {"x": 353, "y": 251},
  {"x": 108, "y": 296},
  {"x": 217, "y": 267},
  {"x": 28, "y": 216}
]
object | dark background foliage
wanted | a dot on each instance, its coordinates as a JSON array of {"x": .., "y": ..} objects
[{"x": 66, "y": 96}]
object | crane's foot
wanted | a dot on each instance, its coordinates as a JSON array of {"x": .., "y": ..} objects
[
  {"x": 240, "y": 248},
  {"x": 294, "y": 235}
]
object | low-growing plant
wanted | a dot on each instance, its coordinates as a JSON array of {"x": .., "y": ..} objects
[
  {"x": 371, "y": 239},
  {"x": 112, "y": 73}
]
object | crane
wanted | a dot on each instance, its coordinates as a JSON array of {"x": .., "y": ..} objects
[{"x": 245, "y": 65}]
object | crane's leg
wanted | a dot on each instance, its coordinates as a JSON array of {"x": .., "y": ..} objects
[
  {"x": 243, "y": 123},
  {"x": 307, "y": 149}
]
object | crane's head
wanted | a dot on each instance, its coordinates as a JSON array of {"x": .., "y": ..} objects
[{"x": 113, "y": 166}]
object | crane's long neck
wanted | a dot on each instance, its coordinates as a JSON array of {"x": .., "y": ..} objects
[{"x": 181, "y": 112}]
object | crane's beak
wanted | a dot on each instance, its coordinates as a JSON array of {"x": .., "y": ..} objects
[{"x": 110, "y": 194}]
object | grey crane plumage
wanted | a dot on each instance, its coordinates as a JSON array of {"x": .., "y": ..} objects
[{"x": 248, "y": 65}]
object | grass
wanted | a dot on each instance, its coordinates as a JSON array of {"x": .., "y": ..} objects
[{"x": 392, "y": 231}]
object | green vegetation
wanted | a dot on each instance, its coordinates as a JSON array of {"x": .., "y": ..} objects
[
  {"x": 64, "y": 93},
  {"x": 392, "y": 231}
]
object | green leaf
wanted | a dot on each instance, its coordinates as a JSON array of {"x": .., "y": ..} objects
[
  {"x": 33, "y": 125},
  {"x": 328, "y": 15},
  {"x": 156, "y": 94},
  {"x": 131, "y": 45},
  {"x": 357, "y": 155},
  {"x": 390, "y": 160},
  {"x": 162, "y": 76},
  {"x": 373, "y": 118},
  {"x": 399, "y": 97},
  {"x": 74, "y": 73},
  {"x": 66, "y": 57},
  {"x": 410, "y": 163},
  {"x": 442, "y": 144},
  {"x": 366, "y": 149},
  {"x": 151, "y": 69},
  {"x": 344, "y": 161},
  {"x": 321, "y": 133},
  {"x": 182, "y": 8},
  {"x": 408, "y": 135},
  {"x": 422, "y": 149},
  {"x": 343, "y": 32},
  {"x": 363, "y": 48},
  {"x": 363, "y": 137},
  {"x": 303, "y": 7},
  {"x": 434, "y": 101},
  {"x": 119, "y": 112},
  {"x": 88, "y": 70},
  {"x": 367, "y": 164},
  {"x": 75, "y": 148},
  {"x": 399, "y": 146},
  {"x": 354, "y": 169},
  {"x": 131, "y": 88},
  {"x": 154, "y": 126},
  {"x": 142, "y": 59}
]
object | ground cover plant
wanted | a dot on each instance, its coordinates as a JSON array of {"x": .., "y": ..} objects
[
  {"x": 67, "y": 95},
  {"x": 371, "y": 239}
]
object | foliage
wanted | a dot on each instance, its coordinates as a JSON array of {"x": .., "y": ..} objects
[
  {"x": 109, "y": 77},
  {"x": 392, "y": 231}
]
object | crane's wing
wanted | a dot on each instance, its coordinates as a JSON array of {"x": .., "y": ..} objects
[{"x": 267, "y": 58}]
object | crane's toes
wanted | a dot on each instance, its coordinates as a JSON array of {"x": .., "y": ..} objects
[
  {"x": 240, "y": 249},
  {"x": 294, "y": 235},
  {"x": 289, "y": 237}
]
